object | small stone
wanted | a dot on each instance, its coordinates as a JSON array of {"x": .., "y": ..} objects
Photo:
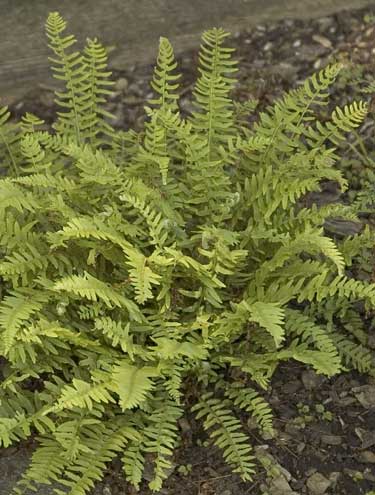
[
  {"x": 107, "y": 490},
  {"x": 297, "y": 43},
  {"x": 331, "y": 439},
  {"x": 317, "y": 63},
  {"x": 367, "y": 475},
  {"x": 334, "y": 477},
  {"x": 291, "y": 387},
  {"x": 211, "y": 472},
  {"x": 280, "y": 486},
  {"x": 301, "y": 447},
  {"x": 184, "y": 425},
  {"x": 47, "y": 99},
  {"x": 311, "y": 380},
  {"x": 318, "y": 484},
  {"x": 365, "y": 395},
  {"x": 251, "y": 423},
  {"x": 267, "y": 47},
  {"x": 284, "y": 472},
  {"x": 325, "y": 23},
  {"x": 322, "y": 40},
  {"x": 367, "y": 457},
  {"x": 371, "y": 341},
  {"x": 267, "y": 435},
  {"x": 121, "y": 84},
  {"x": 226, "y": 492}
]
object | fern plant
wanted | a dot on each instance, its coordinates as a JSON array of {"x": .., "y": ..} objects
[{"x": 135, "y": 264}]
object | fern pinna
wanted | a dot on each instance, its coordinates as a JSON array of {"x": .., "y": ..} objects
[{"x": 134, "y": 263}]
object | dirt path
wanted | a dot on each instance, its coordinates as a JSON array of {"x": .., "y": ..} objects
[{"x": 133, "y": 26}]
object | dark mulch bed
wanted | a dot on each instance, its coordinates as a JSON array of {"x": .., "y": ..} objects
[{"x": 326, "y": 427}]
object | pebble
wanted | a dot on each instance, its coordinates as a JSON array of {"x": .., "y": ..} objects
[
  {"x": 292, "y": 387},
  {"x": 367, "y": 457},
  {"x": 331, "y": 439},
  {"x": 267, "y": 47},
  {"x": 334, "y": 477},
  {"x": 365, "y": 395},
  {"x": 322, "y": 40},
  {"x": 318, "y": 484},
  {"x": 301, "y": 447},
  {"x": 317, "y": 64},
  {"x": 48, "y": 99},
  {"x": 371, "y": 341},
  {"x": 311, "y": 380},
  {"x": 280, "y": 486},
  {"x": 122, "y": 84}
]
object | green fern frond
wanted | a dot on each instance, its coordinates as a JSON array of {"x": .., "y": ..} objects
[
  {"x": 226, "y": 434},
  {"x": 103, "y": 443},
  {"x": 33, "y": 154},
  {"x": 342, "y": 121},
  {"x": 164, "y": 82},
  {"x": 161, "y": 435},
  {"x": 250, "y": 401},
  {"x": 15, "y": 309},
  {"x": 134, "y": 462},
  {"x": 81, "y": 394},
  {"x": 9, "y": 138},
  {"x": 47, "y": 464},
  {"x": 12, "y": 196},
  {"x": 118, "y": 332},
  {"x": 214, "y": 114},
  {"x": 94, "y": 289},
  {"x": 95, "y": 118},
  {"x": 132, "y": 384},
  {"x": 310, "y": 332},
  {"x": 353, "y": 354},
  {"x": 21, "y": 266},
  {"x": 269, "y": 316},
  {"x": 68, "y": 68},
  {"x": 156, "y": 223}
]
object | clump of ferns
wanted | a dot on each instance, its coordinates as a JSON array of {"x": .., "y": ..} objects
[{"x": 133, "y": 264}]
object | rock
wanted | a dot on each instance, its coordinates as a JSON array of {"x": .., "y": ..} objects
[
  {"x": 121, "y": 84},
  {"x": 371, "y": 341},
  {"x": 322, "y": 40},
  {"x": 267, "y": 47},
  {"x": 318, "y": 484},
  {"x": 367, "y": 457},
  {"x": 301, "y": 447},
  {"x": 280, "y": 486},
  {"x": 294, "y": 431},
  {"x": 331, "y": 439},
  {"x": 334, "y": 477},
  {"x": 368, "y": 476},
  {"x": 365, "y": 395},
  {"x": 226, "y": 492},
  {"x": 311, "y": 380},
  {"x": 291, "y": 387},
  {"x": 271, "y": 465}
]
